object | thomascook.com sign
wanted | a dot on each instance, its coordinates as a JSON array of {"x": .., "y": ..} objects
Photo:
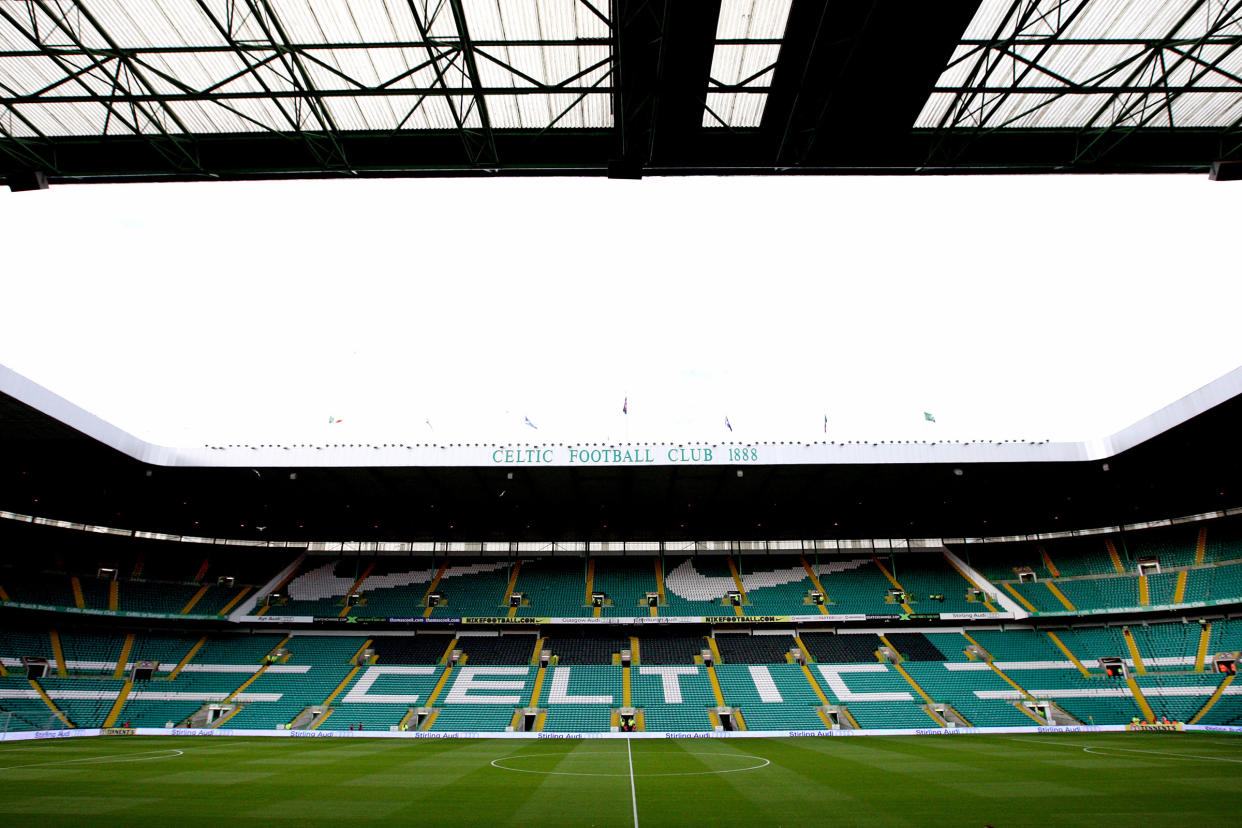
[{"x": 628, "y": 456}]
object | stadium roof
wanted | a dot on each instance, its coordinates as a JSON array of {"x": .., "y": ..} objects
[
  {"x": 54, "y": 471},
  {"x": 611, "y": 454},
  {"x": 115, "y": 90}
]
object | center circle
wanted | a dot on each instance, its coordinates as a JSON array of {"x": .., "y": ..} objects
[{"x": 504, "y": 762}]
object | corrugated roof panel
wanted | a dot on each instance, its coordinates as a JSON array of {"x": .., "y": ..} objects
[
  {"x": 504, "y": 111},
  {"x": 13, "y": 126},
  {"x": 1080, "y": 18},
  {"x": 326, "y": 21},
  {"x": 204, "y": 70},
  {"x": 538, "y": 111},
  {"x": 61, "y": 119},
  {"x": 494, "y": 63},
  {"x": 534, "y": 20},
  {"x": 11, "y": 39},
  {"x": 27, "y": 75},
  {"x": 1135, "y": 19},
  {"x": 1194, "y": 110},
  {"x": 385, "y": 21},
  {"x": 413, "y": 113},
  {"x": 752, "y": 19},
  {"x": 65, "y": 30},
  {"x": 372, "y": 113},
  {"x": 387, "y": 67},
  {"x": 209, "y": 118},
  {"x": 587, "y": 65},
  {"x": 736, "y": 109},
  {"x": 551, "y": 65},
  {"x": 748, "y": 63},
  {"x": 356, "y": 65},
  {"x": 733, "y": 64},
  {"x": 265, "y": 112}
]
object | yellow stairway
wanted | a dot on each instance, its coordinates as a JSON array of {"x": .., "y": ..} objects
[
  {"x": 1220, "y": 691},
  {"x": 123, "y": 658},
  {"x": 810, "y": 573},
  {"x": 1073, "y": 658},
  {"x": 198, "y": 596},
  {"x": 435, "y": 582},
  {"x": 48, "y": 701},
  {"x": 1132, "y": 645},
  {"x": 517, "y": 568},
  {"x": 905, "y": 606},
  {"x": 1205, "y": 636},
  {"x": 357, "y": 586},
  {"x": 115, "y": 712},
  {"x": 1140, "y": 700}
]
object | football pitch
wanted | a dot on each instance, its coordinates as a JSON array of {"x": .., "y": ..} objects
[{"x": 1019, "y": 780}]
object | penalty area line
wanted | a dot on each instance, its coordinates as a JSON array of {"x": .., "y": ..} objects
[
  {"x": 633, "y": 792},
  {"x": 1095, "y": 750}
]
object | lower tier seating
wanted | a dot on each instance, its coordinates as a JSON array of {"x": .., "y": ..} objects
[{"x": 274, "y": 680}]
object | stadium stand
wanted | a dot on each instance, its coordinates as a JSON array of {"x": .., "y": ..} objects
[{"x": 989, "y": 673}]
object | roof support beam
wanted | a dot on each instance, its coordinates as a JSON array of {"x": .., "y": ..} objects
[
  {"x": 487, "y": 154},
  {"x": 852, "y": 80},
  {"x": 638, "y": 42},
  {"x": 687, "y": 42}
]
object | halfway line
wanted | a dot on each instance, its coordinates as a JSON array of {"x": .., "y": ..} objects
[{"x": 633, "y": 793}]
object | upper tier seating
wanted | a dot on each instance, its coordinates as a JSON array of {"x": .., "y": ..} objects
[
  {"x": 553, "y": 587},
  {"x": 475, "y": 588},
  {"x": 1199, "y": 562},
  {"x": 775, "y": 584},
  {"x": 504, "y": 649},
  {"x": 411, "y": 649},
  {"x": 671, "y": 649},
  {"x": 697, "y": 586},
  {"x": 915, "y": 647},
  {"x": 738, "y": 648},
  {"x": 828, "y": 648},
  {"x": 626, "y": 582},
  {"x": 395, "y": 587},
  {"x": 585, "y": 649}
]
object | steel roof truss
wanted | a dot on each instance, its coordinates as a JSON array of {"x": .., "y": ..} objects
[{"x": 171, "y": 150}]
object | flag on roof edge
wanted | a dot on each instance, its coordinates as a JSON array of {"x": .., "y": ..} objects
[
  {"x": 529, "y": 423},
  {"x": 825, "y": 423},
  {"x": 625, "y": 406},
  {"x": 928, "y": 416},
  {"x": 728, "y": 425}
]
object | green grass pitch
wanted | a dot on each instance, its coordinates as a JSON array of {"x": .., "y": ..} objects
[{"x": 1020, "y": 780}]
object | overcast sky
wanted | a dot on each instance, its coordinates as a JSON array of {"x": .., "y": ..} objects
[{"x": 450, "y": 310}]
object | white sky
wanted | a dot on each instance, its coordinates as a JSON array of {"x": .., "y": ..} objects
[{"x": 1034, "y": 308}]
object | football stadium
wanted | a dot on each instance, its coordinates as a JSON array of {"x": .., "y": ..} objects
[{"x": 781, "y": 581}]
